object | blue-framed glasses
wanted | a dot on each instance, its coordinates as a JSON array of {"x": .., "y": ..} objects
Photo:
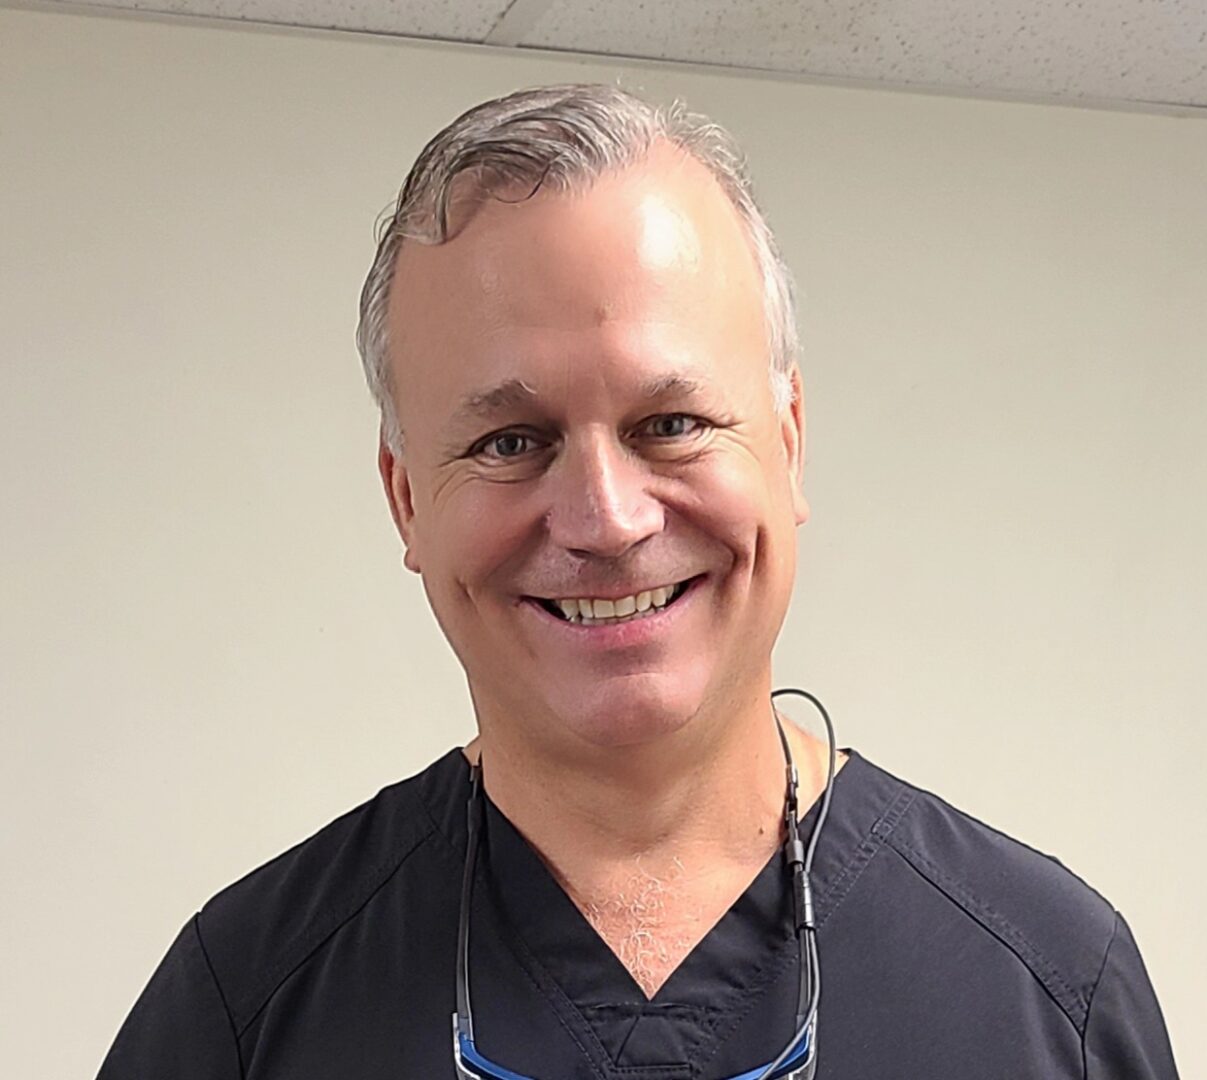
[{"x": 798, "y": 1059}]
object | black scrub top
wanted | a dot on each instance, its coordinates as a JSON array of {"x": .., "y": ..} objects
[{"x": 947, "y": 951}]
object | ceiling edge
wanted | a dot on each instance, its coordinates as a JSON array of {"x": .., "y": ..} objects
[{"x": 1159, "y": 108}]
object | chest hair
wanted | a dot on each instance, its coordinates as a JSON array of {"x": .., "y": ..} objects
[{"x": 649, "y": 920}]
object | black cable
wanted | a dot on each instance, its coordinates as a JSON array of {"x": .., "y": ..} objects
[
  {"x": 806, "y": 1020},
  {"x": 474, "y": 816}
]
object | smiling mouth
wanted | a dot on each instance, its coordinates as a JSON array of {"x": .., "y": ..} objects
[{"x": 591, "y": 612}]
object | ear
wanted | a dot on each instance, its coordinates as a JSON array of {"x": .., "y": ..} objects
[
  {"x": 792, "y": 432},
  {"x": 397, "y": 482}
]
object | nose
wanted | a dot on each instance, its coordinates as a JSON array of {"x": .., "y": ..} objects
[{"x": 599, "y": 501}]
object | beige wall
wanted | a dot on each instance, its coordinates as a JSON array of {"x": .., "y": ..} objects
[{"x": 209, "y": 646}]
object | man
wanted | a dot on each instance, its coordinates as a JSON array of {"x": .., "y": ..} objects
[{"x": 580, "y": 335}]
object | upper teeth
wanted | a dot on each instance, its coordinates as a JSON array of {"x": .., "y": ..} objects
[{"x": 607, "y": 609}]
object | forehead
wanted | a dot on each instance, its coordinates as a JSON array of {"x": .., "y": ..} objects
[{"x": 644, "y": 272}]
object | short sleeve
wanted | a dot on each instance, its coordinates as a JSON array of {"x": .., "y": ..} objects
[
  {"x": 179, "y": 1027},
  {"x": 1125, "y": 1036}
]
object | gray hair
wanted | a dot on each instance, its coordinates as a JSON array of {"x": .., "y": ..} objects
[{"x": 560, "y": 137}]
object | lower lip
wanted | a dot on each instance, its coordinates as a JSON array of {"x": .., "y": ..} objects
[{"x": 618, "y": 635}]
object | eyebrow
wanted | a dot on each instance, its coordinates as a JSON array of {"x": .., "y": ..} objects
[
  {"x": 665, "y": 385},
  {"x": 508, "y": 394},
  {"x": 514, "y": 393}
]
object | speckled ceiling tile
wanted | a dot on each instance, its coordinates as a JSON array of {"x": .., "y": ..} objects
[
  {"x": 460, "y": 20},
  {"x": 1136, "y": 50}
]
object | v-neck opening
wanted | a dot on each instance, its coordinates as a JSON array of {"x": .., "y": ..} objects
[
  {"x": 726, "y": 984},
  {"x": 725, "y": 974},
  {"x": 555, "y": 929},
  {"x": 732, "y": 992}
]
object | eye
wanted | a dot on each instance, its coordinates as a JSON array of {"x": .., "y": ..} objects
[
  {"x": 504, "y": 446},
  {"x": 673, "y": 425}
]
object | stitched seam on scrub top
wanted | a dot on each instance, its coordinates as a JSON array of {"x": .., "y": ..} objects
[
  {"x": 521, "y": 952},
  {"x": 829, "y": 899},
  {"x": 1085, "y": 1061},
  {"x": 321, "y": 929},
  {"x": 221, "y": 996},
  {"x": 1000, "y": 927}
]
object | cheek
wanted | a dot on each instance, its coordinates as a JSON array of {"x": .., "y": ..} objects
[
  {"x": 734, "y": 500},
  {"x": 746, "y": 509},
  {"x": 478, "y": 534}
]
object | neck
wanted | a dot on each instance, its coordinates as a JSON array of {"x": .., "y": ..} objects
[
  {"x": 710, "y": 794},
  {"x": 655, "y": 842}
]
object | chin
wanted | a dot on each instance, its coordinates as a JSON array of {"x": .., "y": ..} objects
[{"x": 631, "y": 715}]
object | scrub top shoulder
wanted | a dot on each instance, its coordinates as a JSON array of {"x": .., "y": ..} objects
[{"x": 947, "y": 950}]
